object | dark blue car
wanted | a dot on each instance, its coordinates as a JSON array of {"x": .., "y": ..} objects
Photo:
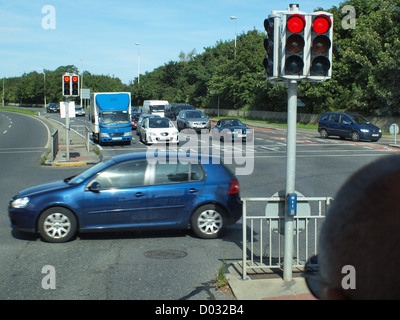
[
  {"x": 348, "y": 125},
  {"x": 132, "y": 192},
  {"x": 232, "y": 129}
]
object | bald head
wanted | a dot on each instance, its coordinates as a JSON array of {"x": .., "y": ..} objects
[{"x": 362, "y": 229}]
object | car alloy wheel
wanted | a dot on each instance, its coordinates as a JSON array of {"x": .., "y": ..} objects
[
  {"x": 355, "y": 136},
  {"x": 57, "y": 225},
  {"x": 323, "y": 133},
  {"x": 208, "y": 222}
]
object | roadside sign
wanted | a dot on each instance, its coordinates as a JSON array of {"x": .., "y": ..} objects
[
  {"x": 71, "y": 109},
  {"x": 394, "y": 129},
  {"x": 85, "y": 93}
]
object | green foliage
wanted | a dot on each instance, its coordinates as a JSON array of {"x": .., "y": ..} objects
[
  {"x": 30, "y": 88},
  {"x": 366, "y": 72}
]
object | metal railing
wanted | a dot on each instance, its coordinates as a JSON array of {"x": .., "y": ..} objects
[
  {"x": 263, "y": 244},
  {"x": 54, "y": 145},
  {"x": 82, "y": 135}
]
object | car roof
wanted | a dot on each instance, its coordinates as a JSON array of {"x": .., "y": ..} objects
[{"x": 163, "y": 155}]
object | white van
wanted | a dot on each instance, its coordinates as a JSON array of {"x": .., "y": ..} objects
[{"x": 155, "y": 107}]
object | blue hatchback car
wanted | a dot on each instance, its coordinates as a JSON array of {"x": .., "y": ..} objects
[
  {"x": 348, "y": 125},
  {"x": 138, "y": 191}
]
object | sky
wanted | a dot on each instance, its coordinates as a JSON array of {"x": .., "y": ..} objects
[{"x": 122, "y": 37}]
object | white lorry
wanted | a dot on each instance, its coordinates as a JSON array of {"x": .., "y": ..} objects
[{"x": 155, "y": 107}]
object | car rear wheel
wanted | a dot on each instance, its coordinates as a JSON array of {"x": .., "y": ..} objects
[
  {"x": 355, "y": 136},
  {"x": 57, "y": 225},
  {"x": 208, "y": 221}
]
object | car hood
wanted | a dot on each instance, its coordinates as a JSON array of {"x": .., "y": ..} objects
[
  {"x": 197, "y": 119},
  {"x": 368, "y": 126},
  {"x": 44, "y": 188},
  {"x": 158, "y": 130},
  {"x": 233, "y": 128}
]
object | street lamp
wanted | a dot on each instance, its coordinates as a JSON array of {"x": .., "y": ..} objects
[
  {"x": 138, "y": 44},
  {"x": 44, "y": 84},
  {"x": 234, "y": 18},
  {"x": 81, "y": 59}
]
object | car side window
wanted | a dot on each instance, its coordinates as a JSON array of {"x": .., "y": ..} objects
[
  {"x": 345, "y": 120},
  {"x": 334, "y": 118},
  {"x": 126, "y": 175},
  {"x": 169, "y": 173},
  {"x": 196, "y": 172}
]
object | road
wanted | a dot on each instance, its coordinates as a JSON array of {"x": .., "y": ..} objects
[{"x": 134, "y": 265}]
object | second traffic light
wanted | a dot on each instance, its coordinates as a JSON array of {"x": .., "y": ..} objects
[
  {"x": 271, "y": 45},
  {"x": 70, "y": 85},
  {"x": 321, "y": 35},
  {"x": 294, "y": 62}
]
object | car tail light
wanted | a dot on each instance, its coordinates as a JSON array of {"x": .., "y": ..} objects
[{"x": 234, "y": 187}]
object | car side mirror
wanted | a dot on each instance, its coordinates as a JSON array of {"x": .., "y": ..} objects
[{"x": 95, "y": 187}]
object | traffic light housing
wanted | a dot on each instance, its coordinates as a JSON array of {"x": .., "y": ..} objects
[
  {"x": 70, "y": 86},
  {"x": 320, "y": 46},
  {"x": 66, "y": 85},
  {"x": 271, "y": 45},
  {"x": 75, "y": 85},
  {"x": 294, "y": 47}
]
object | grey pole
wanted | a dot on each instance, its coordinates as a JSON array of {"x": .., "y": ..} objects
[
  {"x": 290, "y": 176},
  {"x": 67, "y": 126}
]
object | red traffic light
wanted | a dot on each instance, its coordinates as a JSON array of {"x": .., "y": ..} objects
[
  {"x": 322, "y": 24},
  {"x": 67, "y": 79},
  {"x": 296, "y": 23},
  {"x": 74, "y": 79}
]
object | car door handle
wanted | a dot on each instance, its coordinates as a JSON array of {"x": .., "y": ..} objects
[
  {"x": 193, "y": 190},
  {"x": 139, "y": 194}
]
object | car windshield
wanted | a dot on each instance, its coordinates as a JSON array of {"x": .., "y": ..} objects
[
  {"x": 360, "y": 119},
  {"x": 115, "y": 117},
  {"x": 232, "y": 123},
  {"x": 159, "y": 123},
  {"x": 157, "y": 108},
  {"x": 195, "y": 114},
  {"x": 88, "y": 173}
]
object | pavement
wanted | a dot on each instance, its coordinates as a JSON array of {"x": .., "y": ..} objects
[
  {"x": 264, "y": 286},
  {"x": 79, "y": 153}
]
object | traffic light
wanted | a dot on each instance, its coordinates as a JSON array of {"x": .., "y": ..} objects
[
  {"x": 66, "y": 85},
  {"x": 271, "y": 45},
  {"x": 294, "y": 62},
  {"x": 321, "y": 46},
  {"x": 75, "y": 85},
  {"x": 70, "y": 85}
]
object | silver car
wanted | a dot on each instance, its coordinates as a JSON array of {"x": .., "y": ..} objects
[{"x": 192, "y": 119}]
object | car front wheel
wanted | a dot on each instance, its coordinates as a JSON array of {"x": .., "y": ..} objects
[
  {"x": 208, "y": 221},
  {"x": 57, "y": 225}
]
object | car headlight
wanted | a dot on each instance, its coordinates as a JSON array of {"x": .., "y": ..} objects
[
  {"x": 20, "y": 203},
  {"x": 104, "y": 135},
  {"x": 128, "y": 134},
  {"x": 364, "y": 130}
]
